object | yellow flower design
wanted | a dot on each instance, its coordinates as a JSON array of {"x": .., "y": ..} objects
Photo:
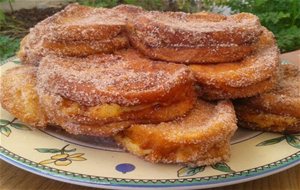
[{"x": 63, "y": 158}]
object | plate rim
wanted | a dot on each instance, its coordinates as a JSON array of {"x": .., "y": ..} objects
[
  {"x": 123, "y": 183},
  {"x": 110, "y": 182}
]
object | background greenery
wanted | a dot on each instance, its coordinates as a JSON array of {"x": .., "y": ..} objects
[{"x": 282, "y": 17}]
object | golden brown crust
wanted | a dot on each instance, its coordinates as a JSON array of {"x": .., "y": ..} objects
[
  {"x": 210, "y": 92},
  {"x": 188, "y": 55},
  {"x": 21, "y": 54},
  {"x": 284, "y": 99},
  {"x": 256, "y": 119},
  {"x": 108, "y": 119},
  {"x": 101, "y": 95},
  {"x": 77, "y": 31},
  {"x": 126, "y": 78},
  {"x": 201, "y": 138},
  {"x": 78, "y": 22},
  {"x": 85, "y": 48},
  {"x": 258, "y": 67},
  {"x": 178, "y": 29},
  {"x": 31, "y": 50},
  {"x": 19, "y": 97},
  {"x": 194, "y": 38},
  {"x": 253, "y": 75},
  {"x": 276, "y": 110},
  {"x": 81, "y": 31}
]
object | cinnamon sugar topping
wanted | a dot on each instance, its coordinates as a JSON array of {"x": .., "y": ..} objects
[{"x": 125, "y": 78}]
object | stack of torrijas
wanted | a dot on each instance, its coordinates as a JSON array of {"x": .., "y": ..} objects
[{"x": 144, "y": 78}]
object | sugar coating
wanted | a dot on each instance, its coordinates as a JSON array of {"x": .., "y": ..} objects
[
  {"x": 259, "y": 66},
  {"x": 258, "y": 119},
  {"x": 78, "y": 22},
  {"x": 203, "y": 120},
  {"x": 202, "y": 30},
  {"x": 206, "y": 130},
  {"x": 289, "y": 81},
  {"x": 93, "y": 30},
  {"x": 178, "y": 29},
  {"x": 284, "y": 99},
  {"x": 19, "y": 97},
  {"x": 210, "y": 92},
  {"x": 85, "y": 47},
  {"x": 124, "y": 79}
]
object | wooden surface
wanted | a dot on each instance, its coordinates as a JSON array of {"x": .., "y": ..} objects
[{"x": 12, "y": 178}]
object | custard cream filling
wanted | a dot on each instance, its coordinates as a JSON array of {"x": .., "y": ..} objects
[
  {"x": 100, "y": 111},
  {"x": 266, "y": 120}
]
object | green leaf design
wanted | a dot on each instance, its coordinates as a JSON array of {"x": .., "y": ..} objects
[
  {"x": 189, "y": 171},
  {"x": 48, "y": 150},
  {"x": 5, "y": 131},
  {"x": 271, "y": 141},
  {"x": 293, "y": 141},
  {"x": 71, "y": 150},
  {"x": 20, "y": 126},
  {"x": 223, "y": 167},
  {"x": 3, "y": 122}
]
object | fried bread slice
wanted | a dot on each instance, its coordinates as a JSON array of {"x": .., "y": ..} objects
[
  {"x": 178, "y": 29},
  {"x": 192, "y": 55},
  {"x": 285, "y": 97},
  {"x": 32, "y": 51},
  {"x": 125, "y": 78},
  {"x": 251, "y": 118},
  {"x": 75, "y": 31},
  {"x": 210, "y": 92},
  {"x": 85, "y": 48},
  {"x": 260, "y": 66},
  {"x": 77, "y": 22},
  {"x": 108, "y": 119},
  {"x": 18, "y": 95},
  {"x": 276, "y": 110},
  {"x": 255, "y": 74},
  {"x": 104, "y": 89},
  {"x": 200, "y": 138},
  {"x": 194, "y": 38}
]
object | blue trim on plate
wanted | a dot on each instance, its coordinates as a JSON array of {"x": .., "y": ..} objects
[{"x": 87, "y": 182}]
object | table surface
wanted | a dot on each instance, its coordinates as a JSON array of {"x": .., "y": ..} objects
[{"x": 13, "y": 178}]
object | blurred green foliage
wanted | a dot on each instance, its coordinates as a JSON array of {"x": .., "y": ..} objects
[
  {"x": 162, "y": 5},
  {"x": 97, "y": 3},
  {"x": 2, "y": 15},
  {"x": 8, "y": 47},
  {"x": 282, "y": 17}
]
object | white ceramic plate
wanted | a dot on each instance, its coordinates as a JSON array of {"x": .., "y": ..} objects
[{"x": 98, "y": 162}]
